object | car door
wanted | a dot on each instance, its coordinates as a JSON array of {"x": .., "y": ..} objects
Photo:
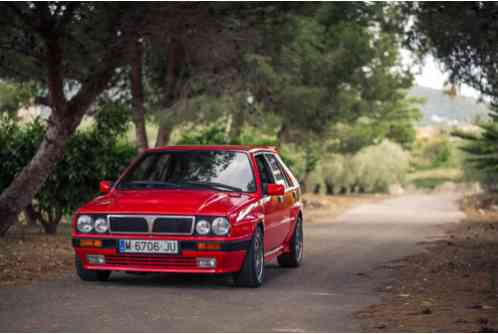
[
  {"x": 271, "y": 204},
  {"x": 284, "y": 203}
]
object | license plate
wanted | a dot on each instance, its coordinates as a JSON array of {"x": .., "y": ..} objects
[{"x": 149, "y": 246}]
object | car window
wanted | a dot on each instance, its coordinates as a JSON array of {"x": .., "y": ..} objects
[
  {"x": 264, "y": 170},
  {"x": 276, "y": 170},
  {"x": 192, "y": 168},
  {"x": 287, "y": 172}
]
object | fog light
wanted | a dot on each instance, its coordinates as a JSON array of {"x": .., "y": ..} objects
[
  {"x": 90, "y": 243},
  {"x": 206, "y": 262},
  {"x": 209, "y": 246},
  {"x": 96, "y": 259}
]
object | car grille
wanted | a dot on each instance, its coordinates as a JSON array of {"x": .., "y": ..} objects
[
  {"x": 153, "y": 261},
  {"x": 173, "y": 225},
  {"x": 152, "y": 224},
  {"x": 128, "y": 224}
]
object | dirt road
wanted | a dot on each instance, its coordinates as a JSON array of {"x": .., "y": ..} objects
[{"x": 338, "y": 277}]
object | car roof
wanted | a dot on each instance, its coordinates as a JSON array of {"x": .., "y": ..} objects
[{"x": 243, "y": 148}]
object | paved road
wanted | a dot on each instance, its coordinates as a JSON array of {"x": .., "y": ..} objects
[{"x": 319, "y": 296}]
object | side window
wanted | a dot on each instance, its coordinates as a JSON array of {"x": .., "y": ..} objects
[
  {"x": 264, "y": 170},
  {"x": 277, "y": 171},
  {"x": 291, "y": 180}
]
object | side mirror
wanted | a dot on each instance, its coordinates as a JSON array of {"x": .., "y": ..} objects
[
  {"x": 273, "y": 189},
  {"x": 105, "y": 187}
]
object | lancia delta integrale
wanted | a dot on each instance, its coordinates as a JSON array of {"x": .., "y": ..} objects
[{"x": 193, "y": 209}]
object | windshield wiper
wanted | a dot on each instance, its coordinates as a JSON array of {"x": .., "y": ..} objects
[
  {"x": 215, "y": 185},
  {"x": 147, "y": 185}
]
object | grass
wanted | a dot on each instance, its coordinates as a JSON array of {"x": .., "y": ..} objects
[{"x": 432, "y": 178}]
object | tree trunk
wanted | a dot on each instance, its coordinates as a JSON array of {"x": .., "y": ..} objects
[
  {"x": 164, "y": 135},
  {"x": 137, "y": 92},
  {"x": 31, "y": 215},
  {"x": 282, "y": 134},
  {"x": 175, "y": 59},
  {"x": 52, "y": 222},
  {"x": 238, "y": 119}
]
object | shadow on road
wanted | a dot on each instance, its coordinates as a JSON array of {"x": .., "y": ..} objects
[{"x": 201, "y": 281}]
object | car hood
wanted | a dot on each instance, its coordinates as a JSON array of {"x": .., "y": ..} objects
[{"x": 174, "y": 202}]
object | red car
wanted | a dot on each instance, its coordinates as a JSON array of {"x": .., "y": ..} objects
[{"x": 193, "y": 209}]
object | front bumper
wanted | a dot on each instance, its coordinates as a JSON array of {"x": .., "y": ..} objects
[{"x": 229, "y": 257}]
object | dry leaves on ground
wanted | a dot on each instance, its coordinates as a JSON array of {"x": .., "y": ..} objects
[
  {"x": 25, "y": 257},
  {"x": 451, "y": 288}
]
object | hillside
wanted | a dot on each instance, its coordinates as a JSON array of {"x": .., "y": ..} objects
[{"x": 443, "y": 110}]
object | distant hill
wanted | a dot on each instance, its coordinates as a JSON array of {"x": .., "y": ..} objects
[{"x": 443, "y": 110}]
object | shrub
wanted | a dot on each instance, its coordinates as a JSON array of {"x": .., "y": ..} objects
[
  {"x": 437, "y": 152},
  {"x": 90, "y": 155},
  {"x": 372, "y": 169}
]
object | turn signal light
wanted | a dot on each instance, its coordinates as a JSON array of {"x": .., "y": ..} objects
[
  {"x": 91, "y": 243},
  {"x": 209, "y": 246}
]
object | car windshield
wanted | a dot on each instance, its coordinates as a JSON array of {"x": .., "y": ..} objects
[{"x": 218, "y": 170}]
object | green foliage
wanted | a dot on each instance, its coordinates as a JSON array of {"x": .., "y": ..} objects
[
  {"x": 15, "y": 96},
  {"x": 481, "y": 163},
  {"x": 17, "y": 146},
  {"x": 335, "y": 66},
  {"x": 441, "y": 151},
  {"x": 462, "y": 36},
  {"x": 372, "y": 169},
  {"x": 91, "y": 155},
  {"x": 210, "y": 135},
  {"x": 431, "y": 182}
]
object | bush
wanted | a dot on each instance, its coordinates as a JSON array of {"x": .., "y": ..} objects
[
  {"x": 90, "y": 155},
  {"x": 372, "y": 169},
  {"x": 438, "y": 152}
]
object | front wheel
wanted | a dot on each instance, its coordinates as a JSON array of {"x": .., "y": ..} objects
[
  {"x": 294, "y": 257},
  {"x": 253, "y": 269},
  {"x": 90, "y": 275}
]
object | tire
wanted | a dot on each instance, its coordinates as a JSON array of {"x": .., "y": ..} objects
[
  {"x": 90, "y": 275},
  {"x": 252, "y": 273},
  {"x": 294, "y": 258}
]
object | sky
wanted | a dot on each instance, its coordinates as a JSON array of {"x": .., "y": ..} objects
[{"x": 431, "y": 74}]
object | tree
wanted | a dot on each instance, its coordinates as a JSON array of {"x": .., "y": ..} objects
[
  {"x": 73, "y": 50},
  {"x": 482, "y": 160},
  {"x": 462, "y": 36},
  {"x": 332, "y": 65}
]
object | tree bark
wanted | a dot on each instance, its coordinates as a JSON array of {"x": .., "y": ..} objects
[
  {"x": 164, "y": 134},
  {"x": 137, "y": 92},
  {"x": 31, "y": 215},
  {"x": 175, "y": 59},
  {"x": 282, "y": 134},
  {"x": 238, "y": 119}
]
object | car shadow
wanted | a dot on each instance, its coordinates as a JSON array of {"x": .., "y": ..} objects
[{"x": 189, "y": 281}]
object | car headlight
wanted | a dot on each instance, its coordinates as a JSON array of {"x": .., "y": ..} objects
[
  {"x": 220, "y": 226},
  {"x": 101, "y": 225},
  {"x": 84, "y": 224},
  {"x": 203, "y": 227}
]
